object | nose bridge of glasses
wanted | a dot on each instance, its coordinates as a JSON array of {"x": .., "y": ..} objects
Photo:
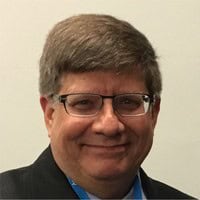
[
  {"x": 104, "y": 97},
  {"x": 107, "y": 97}
]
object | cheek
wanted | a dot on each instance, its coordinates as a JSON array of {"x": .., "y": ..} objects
[
  {"x": 141, "y": 125},
  {"x": 66, "y": 135},
  {"x": 146, "y": 134},
  {"x": 66, "y": 128},
  {"x": 142, "y": 130}
]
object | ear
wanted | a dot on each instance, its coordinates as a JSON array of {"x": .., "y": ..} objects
[
  {"x": 155, "y": 111},
  {"x": 48, "y": 111}
]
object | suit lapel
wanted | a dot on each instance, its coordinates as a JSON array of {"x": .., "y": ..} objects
[{"x": 48, "y": 181}]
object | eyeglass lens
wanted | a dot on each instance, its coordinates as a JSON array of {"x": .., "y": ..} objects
[{"x": 90, "y": 104}]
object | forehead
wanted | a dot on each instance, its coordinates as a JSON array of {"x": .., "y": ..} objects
[{"x": 101, "y": 82}]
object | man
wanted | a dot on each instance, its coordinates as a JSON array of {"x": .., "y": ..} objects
[{"x": 100, "y": 89}]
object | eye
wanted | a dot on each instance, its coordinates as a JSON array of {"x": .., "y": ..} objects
[
  {"x": 129, "y": 102},
  {"x": 81, "y": 103}
]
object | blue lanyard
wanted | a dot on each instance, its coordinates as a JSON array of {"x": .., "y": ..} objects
[
  {"x": 137, "y": 191},
  {"x": 78, "y": 190}
]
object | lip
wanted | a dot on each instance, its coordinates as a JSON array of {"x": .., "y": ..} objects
[{"x": 107, "y": 149}]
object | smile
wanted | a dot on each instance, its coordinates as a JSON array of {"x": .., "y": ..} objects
[{"x": 107, "y": 149}]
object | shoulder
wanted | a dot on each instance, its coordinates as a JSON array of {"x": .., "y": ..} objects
[
  {"x": 41, "y": 180},
  {"x": 14, "y": 182},
  {"x": 19, "y": 183},
  {"x": 165, "y": 191},
  {"x": 154, "y": 189}
]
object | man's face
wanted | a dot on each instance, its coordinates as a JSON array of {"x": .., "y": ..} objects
[{"x": 105, "y": 146}]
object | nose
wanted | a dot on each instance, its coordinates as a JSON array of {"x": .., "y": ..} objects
[{"x": 107, "y": 122}]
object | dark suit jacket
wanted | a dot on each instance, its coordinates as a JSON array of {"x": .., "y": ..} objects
[{"x": 43, "y": 179}]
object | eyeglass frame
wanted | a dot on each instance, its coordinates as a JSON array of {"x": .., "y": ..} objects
[{"x": 62, "y": 99}]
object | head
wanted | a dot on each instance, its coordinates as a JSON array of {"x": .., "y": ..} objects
[{"x": 102, "y": 55}]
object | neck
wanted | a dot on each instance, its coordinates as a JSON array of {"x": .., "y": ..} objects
[{"x": 107, "y": 188}]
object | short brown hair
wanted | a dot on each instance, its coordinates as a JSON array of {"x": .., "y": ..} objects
[{"x": 90, "y": 42}]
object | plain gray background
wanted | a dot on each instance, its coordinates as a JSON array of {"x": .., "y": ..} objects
[{"x": 172, "y": 26}]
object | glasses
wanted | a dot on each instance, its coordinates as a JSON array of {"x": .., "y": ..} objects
[{"x": 86, "y": 104}]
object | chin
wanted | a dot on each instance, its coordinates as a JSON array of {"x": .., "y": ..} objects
[{"x": 108, "y": 170}]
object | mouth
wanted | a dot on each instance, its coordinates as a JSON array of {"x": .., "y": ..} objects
[{"x": 107, "y": 149}]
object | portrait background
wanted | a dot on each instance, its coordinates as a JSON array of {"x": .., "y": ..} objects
[{"x": 172, "y": 26}]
